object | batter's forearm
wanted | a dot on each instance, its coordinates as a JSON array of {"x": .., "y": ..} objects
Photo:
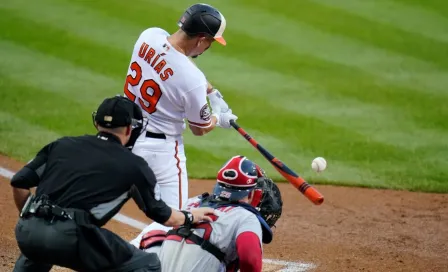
[
  {"x": 209, "y": 87},
  {"x": 198, "y": 131}
]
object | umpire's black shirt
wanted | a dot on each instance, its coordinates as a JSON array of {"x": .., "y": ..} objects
[{"x": 93, "y": 173}]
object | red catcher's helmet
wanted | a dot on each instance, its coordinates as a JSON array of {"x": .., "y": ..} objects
[{"x": 236, "y": 179}]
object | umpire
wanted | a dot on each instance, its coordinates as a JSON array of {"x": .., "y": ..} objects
[{"x": 82, "y": 182}]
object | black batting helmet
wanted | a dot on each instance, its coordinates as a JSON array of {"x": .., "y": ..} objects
[{"x": 203, "y": 19}]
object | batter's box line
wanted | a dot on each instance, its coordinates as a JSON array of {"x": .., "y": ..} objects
[{"x": 287, "y": 266}]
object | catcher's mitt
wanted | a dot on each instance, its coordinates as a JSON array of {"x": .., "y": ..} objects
[{"x": 271, "y": 203}]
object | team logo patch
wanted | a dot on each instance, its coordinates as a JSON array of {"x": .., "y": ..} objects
[
  {"x": 225, "y": 194},
  {"x": 205, "y": 113}
]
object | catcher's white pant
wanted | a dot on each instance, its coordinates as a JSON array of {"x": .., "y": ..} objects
[{"x": 166, "y": 158}]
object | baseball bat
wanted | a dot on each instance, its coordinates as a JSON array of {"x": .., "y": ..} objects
[{"x": 299, "y": 183}]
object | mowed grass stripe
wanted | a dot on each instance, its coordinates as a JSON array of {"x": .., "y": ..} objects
[
  {"x": 302, "y": 38},
  {"x": 107, "y": 31},
  {"x": 83, "y": 31},
  {"x": 334, "y": 82},
  {"x": 279, "y": 91},
  {"x": 439, "y": 7},
  {"x": 48, "y": 110},
  {"x": 67, "y": 46},
  {"x": 64, "y": 94},
  {"x": 404, "y": 15},
  {"x": 280, "y": 80},
  {"x": 361, "y": 28},
  {"x": 320, "y": 44},
  {"x": 292, "y": 82},
  {"x": 54, "y": 121},
  {"x": 305, "y": 133},
  {"x": 42, "y": 71},
  {"x": 410, "y": 96},
  {"x": 368, "y": 89},
  {"x": 292, "y": 151},
  {"x": 333, "y": 77},
  {"x": 42, "y": 64},
  {"x": 20, "y": 139},
  {"x": 59, "y": 65}
]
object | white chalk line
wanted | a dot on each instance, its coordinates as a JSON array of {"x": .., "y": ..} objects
[{"x": 287, "y": 265}]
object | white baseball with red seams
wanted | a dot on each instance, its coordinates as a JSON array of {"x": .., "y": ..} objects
[{"x": 319, "y": 164}]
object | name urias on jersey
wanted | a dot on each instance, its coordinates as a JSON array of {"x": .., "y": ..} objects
[{"x": 150, "y": 55}]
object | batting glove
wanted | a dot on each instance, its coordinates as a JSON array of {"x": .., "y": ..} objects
[{"x": 224, "y": 119}]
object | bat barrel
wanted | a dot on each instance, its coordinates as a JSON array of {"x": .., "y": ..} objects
[{"x": 306, "y": 189}]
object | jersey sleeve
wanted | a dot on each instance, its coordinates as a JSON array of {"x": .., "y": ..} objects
[
  {"x": 249, "y": 253},
  {"x": 250, "y": 224},
  {"x": 30, "y": 175},
  {"x": 197, "y": 109},
  {"x": 191, "y": 203}
]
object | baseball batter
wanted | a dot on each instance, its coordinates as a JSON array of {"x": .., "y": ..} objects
[
  {"x": 234, "y": 239},
  {"x": 170, "y": 88}
]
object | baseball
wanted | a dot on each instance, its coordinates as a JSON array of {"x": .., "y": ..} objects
[{"x": 319, "y": 164}]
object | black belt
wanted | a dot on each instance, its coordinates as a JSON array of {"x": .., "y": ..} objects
[
  {"x": 204, "y": 244},
  {"x": 41, "y": 207},
  {"x": 155, "y": 135}
]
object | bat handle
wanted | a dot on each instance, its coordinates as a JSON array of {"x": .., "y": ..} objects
[{"x": 234, "y": 124}]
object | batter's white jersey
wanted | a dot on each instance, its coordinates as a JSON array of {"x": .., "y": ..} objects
[
  {"x": 223, "y": 232},
  {"x": 166, "y": 84}
]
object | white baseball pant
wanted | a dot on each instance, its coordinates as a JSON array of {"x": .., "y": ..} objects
[{"x": 166, "y": 158}]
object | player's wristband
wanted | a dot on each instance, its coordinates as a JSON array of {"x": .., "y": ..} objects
[{"x": 189, "y": 218}]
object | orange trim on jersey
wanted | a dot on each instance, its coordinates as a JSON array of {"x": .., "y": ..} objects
[
  {"x": 200, "y": 125},
  {"x": 176, "y": 156}
]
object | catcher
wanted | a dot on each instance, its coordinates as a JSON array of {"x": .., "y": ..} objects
[{"x": 247, "y": 204}]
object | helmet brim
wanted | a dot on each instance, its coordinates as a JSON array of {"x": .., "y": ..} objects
[{"x": 221, "y": 40}]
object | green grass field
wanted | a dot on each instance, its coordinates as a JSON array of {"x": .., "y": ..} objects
[{"x": 362, "y": 83}]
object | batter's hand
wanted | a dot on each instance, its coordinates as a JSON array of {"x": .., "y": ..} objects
[
  {"x": 201, "y": 214},
  {"x": 224, "y": 119},
  {"x": 217, "y": 101}
]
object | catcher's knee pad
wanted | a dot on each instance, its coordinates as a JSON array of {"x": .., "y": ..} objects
[{"x": 152, "y": 238}]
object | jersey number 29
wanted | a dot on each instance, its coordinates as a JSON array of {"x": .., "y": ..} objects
[{"x": 151, "y": 99}]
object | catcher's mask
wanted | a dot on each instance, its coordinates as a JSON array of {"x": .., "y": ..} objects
[
  {"x": 271, "y": 203},
  {"x": 236, "y": 179},
  {"x": 119, "y": 111}
]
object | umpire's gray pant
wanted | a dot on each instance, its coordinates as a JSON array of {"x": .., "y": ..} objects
[{"x": 44, "y": 244}]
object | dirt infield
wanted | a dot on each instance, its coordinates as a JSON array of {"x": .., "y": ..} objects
[{"x": 354, "y": 230}]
